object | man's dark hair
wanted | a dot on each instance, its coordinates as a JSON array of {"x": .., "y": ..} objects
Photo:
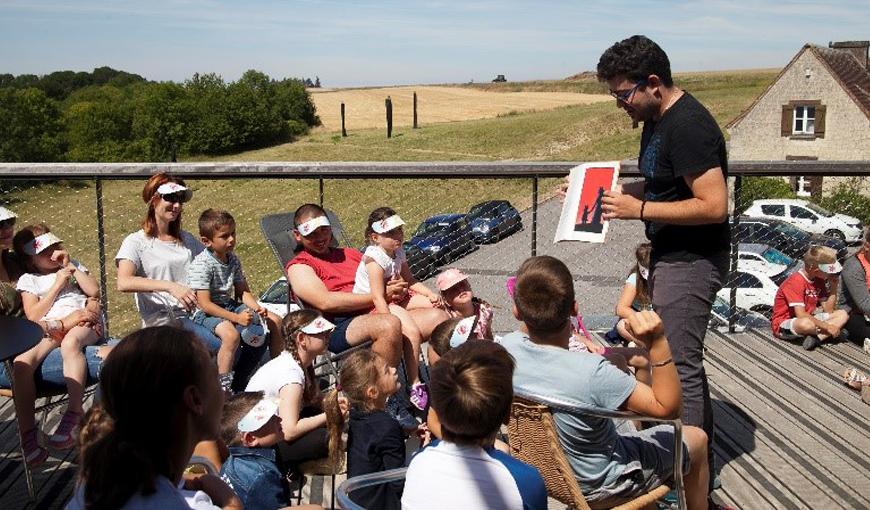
[
  {"x": 544, "y": 294},
  {"x": 635, "y": 58}
]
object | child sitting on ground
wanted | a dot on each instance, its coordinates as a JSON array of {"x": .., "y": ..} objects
[
  {"x": 610, "y": 467},
  {"x": 805, "y": 303},
  {"x": 375, "y": 440},
  {"x": 251, "y": 428},
  {"x": 635, "y": 293},
  {"x": 459, "y": 301},
  {"x": 49, "y": 292},
  {"x": 216, "y": 273},
  {"x": 384, "y": 260},
  {"x": 471, "y": 397}
]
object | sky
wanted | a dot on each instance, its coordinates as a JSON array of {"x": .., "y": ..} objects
[{"x": 391, "y": 42}]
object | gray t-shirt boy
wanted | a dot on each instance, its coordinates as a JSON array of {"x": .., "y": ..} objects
[{"x": 206, "y": 272}]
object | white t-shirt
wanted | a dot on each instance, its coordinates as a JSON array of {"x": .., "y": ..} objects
[
  {"x": 159, "y": 260},
  {"x": 166, "y": 497},
  {"x": 276, "y": 374},
  {"x": 392, "y": 267},
  {"x": 69, "y": 299},
  {"x": 446, "y": 475}
]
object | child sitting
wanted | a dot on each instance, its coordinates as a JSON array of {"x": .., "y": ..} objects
[
  {"x": 804, "y": 306},
  {"x": 251, "y": 428},
  {"x": 384, "y": 260},
  {"x": 213, "y": 275},
  {"x": 471, "y": 397},
  {"x": 635, "y": 293},
  {"x": 459, "y": 301},
  {"x": 49, "y": 292},
  {"x": 610, "y": 467},
  {"x": 375, "y": 440}
]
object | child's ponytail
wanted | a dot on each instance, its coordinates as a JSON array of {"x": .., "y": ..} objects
[{"x": 335, "y": 427}]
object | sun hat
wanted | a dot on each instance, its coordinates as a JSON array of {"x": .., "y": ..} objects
[
  {"x": 832, "y": 268},
  {"x": 39, "y": 243},
  {"x": 462, "y": 331},
  {"x": 385, "y": 225},
  {"x": 307, "y": 227},
  {"x": 448, "y": 278},
  {"x": 254, "y": 334},
  {"x": 170, "y": 188},
  {"x": 318, "y": 325},
  {"x": 6, "y": 214},
  {"x": 258, "y": 416}
]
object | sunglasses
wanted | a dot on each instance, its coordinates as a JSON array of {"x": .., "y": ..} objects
[
  {"x": 625, "y": 95},
  {"x": 179, "y": 197},
  {"x": 7, "y": 223}
]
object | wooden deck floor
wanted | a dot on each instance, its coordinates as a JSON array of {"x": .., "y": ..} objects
[{"x": 789, "y": 434}]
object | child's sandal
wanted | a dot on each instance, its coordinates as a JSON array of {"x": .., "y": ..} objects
[
  {"x": 64, "y": 436},
  {"x": 853, "y": 378},
  {"x": 34, "y": 454}
]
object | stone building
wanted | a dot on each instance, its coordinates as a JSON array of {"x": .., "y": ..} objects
[{"x": 817, "y": 108}]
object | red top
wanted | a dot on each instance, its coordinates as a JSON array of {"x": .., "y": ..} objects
[
  {"x": 796, "y": 290},
  {"x": 337, "y": 269}
]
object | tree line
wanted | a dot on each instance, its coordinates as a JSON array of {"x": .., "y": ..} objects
[{"x": 110, "y": 115}]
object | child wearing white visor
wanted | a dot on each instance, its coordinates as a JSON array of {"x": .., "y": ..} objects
[
  {"x": 50, "y": 291},
  {"x": 251, "y": 428},
  {"x": 384, "y": 260},
  {"x": 805, "y": 305}
]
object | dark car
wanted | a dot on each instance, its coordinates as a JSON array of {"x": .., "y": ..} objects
[
  {"x": 783, "y": 236},
  {"x": 492, "y": 220},
  {"x": 421, "y": 264},
  {"x": 445, "y": 237}
]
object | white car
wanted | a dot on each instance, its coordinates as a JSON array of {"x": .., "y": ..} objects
[
  {"x": 770, "y": 261},
  {"x": 809, "y": 217},
  {"x": 755, "y": 291}
]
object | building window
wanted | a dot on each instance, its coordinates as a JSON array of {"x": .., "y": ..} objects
[{"x": 804, "y": 120}]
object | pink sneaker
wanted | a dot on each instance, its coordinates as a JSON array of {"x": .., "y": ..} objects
[
  {"x": 419, "y": 396},
  {"x": 64, "y": 437},
  {"x": 34, "y": 454}
]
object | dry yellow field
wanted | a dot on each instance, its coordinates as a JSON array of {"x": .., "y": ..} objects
[{"x": 364, "y": 108}]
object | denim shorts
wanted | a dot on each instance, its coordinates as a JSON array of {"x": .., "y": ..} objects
[
  {"x": 49, "y": 374},
  {"x": 210, "y": 322},
  {"x": 338, "y": 338}
]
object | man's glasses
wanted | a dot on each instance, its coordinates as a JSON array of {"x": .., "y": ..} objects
[
  {"x": 7, "y": 223},
  {"x": 179, "y": 197},
  {"x": 625, "y": 95}
]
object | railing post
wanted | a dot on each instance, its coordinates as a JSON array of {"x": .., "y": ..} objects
[
  {"x": 534, "y": 216},
  {"x": 101, "y": 243},
  {"x": 732, "y": 298},
  {"x": 320, "y": 191}
]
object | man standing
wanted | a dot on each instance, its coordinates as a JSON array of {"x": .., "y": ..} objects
[{"x": 683, "y": 202}]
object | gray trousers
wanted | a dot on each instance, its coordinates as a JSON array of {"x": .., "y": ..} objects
[{"x": 682, "y": 295}]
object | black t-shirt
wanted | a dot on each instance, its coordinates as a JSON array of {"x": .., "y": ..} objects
[
  {"x": 375, "y": 443},
  {"x": 685, "y": 141}
]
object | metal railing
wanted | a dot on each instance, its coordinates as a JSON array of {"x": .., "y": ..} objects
[{"x": 93, "y": 206}]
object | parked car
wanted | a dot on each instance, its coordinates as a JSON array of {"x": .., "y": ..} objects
[
  {"x": 422, "y": 264},
  {"x": 808, "y": 216},
  {"x": 743, "y": 319},
  {"x": 445, "y": 237},
  {"x": 492, "y": 220},
  {"x": 783, "y": 236},
  {"x": 755, "y": 291},
  {"x": 770, "y": 261}
]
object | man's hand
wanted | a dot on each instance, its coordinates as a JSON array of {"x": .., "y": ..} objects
[
  {"x": 617, "y": 205},
  {"x": 646, "y": 326}
]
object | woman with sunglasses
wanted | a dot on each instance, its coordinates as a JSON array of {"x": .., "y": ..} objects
[{"x": 49, "y": 374}]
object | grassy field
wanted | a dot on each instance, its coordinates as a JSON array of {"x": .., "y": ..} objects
[{"x": 571, "y": 133}]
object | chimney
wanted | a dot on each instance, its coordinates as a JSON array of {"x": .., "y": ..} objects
[{"x": 858, "y": 49}]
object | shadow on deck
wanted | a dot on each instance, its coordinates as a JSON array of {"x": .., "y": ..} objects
[{"x": 789, "y": 433}]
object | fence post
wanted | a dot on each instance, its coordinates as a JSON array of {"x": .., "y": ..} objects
[
  {"x": 732, "y": 298},
  {"x": 320, "y": 190},
  {"x": 388, "y": 103},
  {"x": 534, "y": 216},
  {"x": 415, "y": 110},
  {"x": 101, "y": 243},
  {"x": 343, "y": 131}
]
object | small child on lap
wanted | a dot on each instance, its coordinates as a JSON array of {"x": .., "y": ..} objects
[{"x": 213, "y": 274}]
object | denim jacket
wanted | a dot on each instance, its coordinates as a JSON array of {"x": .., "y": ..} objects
[{"x": 254, "y": 476}]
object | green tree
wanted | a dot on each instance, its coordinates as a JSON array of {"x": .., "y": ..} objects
[
  {"x": 99, "y": 125},
  {"x": 30, "y": 126},
  {"x": 161, "y": 120}
]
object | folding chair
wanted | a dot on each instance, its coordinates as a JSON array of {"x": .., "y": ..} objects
[{"x": 533, "y": 439}]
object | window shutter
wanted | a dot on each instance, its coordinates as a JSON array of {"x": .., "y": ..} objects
[
  {"x": 787, "y": 119},
  {"x": 820, "y": 121}
]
